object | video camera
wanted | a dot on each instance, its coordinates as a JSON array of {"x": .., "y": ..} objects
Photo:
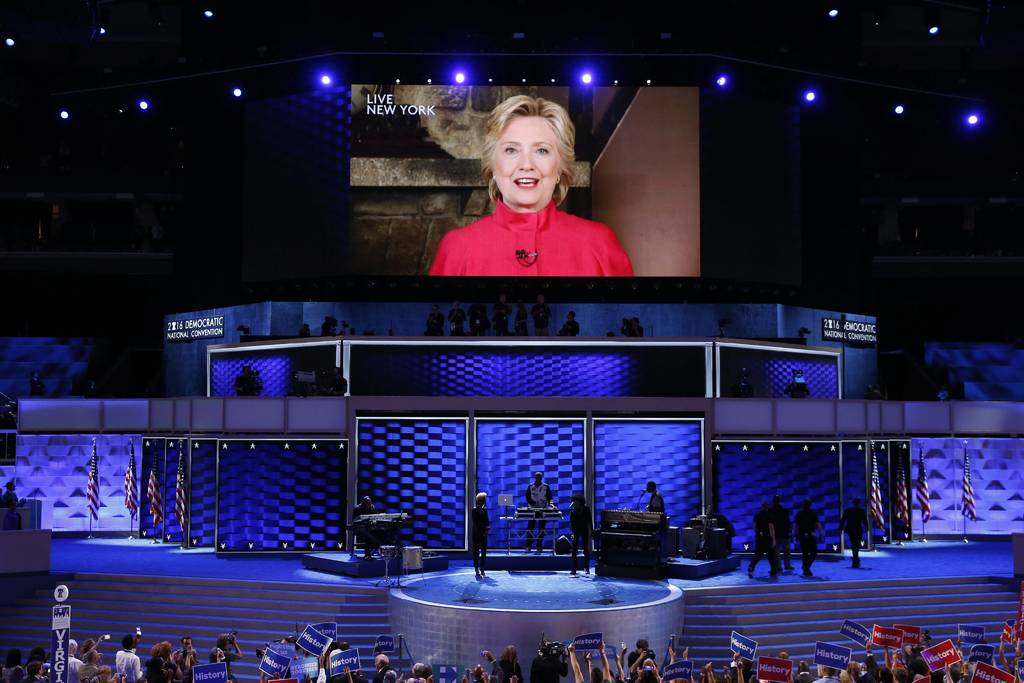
[{"x": 551, "y": 648}]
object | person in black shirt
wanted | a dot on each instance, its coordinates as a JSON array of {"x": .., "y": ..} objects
[
  {"x": 478, "y": 322},
  {"x": 481, "y": 527},
  {"x": 656, "y": 503},
  {"x": 366, "y": 507},
  {"x": 798, "y": 387},
  {"x": 764, "y": 543},
  {"x": 743, "y": 388},
  {"x": 501, "y": 311},
  {"x": 548, "y": 666},
  {"x": 304, "y": 331},
  {"x": 808, "y": 529},
  {"x": 854, "y": 523},
  {"x": 538, "y": 497},
  {"x": 10, "y": 497},
  {"x": 570, "y": 328},
  {"x": 783, "y": 531},
  {"x": 581, "y": 522},
  {"x": 435, "y": 322},
  {"x": 541, "y": 315},
  {"x": 521, "y": 317},
  {"x": 35, "y": 385},
  {"x": 456, "y": 319}
]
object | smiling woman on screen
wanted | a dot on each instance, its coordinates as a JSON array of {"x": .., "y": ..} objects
[{"x": 527, "y": 162}]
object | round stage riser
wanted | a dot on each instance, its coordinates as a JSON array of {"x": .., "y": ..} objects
[{"x": 445, "y": 635}]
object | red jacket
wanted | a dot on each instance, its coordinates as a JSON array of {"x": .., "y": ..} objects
[{"x": 565, "y": 245}]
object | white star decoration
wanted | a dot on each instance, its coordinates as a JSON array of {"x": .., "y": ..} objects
[
  {"x": 147, "y": 444},
  {"x": 251, "y": 545},
  {"x": 772, "y": 448},
  {"x": 744, "y": 446},
  {"x": 223, "y": 546},
  {"x": 718, "y": 447},
  {"x": 314, "y": 446},
  {"x": 806, "y": 448},
  {"x": 860, "y": 447},
  {"x": 832, "y": 448},
  {"x": 287, "y": 447},
  {"x": 252, "y": 446},
  {"x": 224, "y": 447}
]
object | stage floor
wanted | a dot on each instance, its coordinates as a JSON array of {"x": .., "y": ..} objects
[{"x": 122, "y": 556}]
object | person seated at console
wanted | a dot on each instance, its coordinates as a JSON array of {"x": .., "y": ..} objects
[
  {"x": 366, "y": 507},
  {"x": 798, "y": 386}
]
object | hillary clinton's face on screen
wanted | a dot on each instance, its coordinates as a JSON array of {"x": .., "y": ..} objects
[{"x": 527, "y": 164}]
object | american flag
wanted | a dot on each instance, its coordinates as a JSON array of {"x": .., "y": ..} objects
[
  {"x": 922, "y": 488},
  {"x": 876, "y": 494},
  {"x": 968, "y": 506},
  {"x": 92, "y": 491},
  {"x": 902, "y": 509},
  {"x": 156, "y": 503},
  {"x": 180, "y": 494},
  {"x": 131, "y": 496}
]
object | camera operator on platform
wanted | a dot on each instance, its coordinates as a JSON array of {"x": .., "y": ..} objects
[{"x": 550, "y": 664}]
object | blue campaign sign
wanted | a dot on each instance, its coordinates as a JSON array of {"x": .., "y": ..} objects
[
  {"x": 313, "y": 642},
  {"x": 855, "y": 632},
  {"x": 681, "y": 668},
  {"x": 274, "y": 664},
  {"x": 210, "y": 673},
  {"x": 970, "y": 634},
  {"x": 588, "y": 642},
  {"x": 835, "y": 656},
  {"x": 1020, "y": 669},
  {"x": 743, "y": 646},
  {"x": 384, "y": 643},
  {"x": 982, "y": 653},
  {"x": 309, "y": 666},
  {"x": 59, "y": 640},
  {"x": 342, "y": 658},
  {"x": 328, "y": 628}
]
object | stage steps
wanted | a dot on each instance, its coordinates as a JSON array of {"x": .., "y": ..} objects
[
  {"x": 167, "y": 608},
  {"x": 790, "y": 617}
]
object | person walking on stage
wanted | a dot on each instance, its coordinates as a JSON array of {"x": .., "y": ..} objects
[
  {"x": 783, "y": 532},
  {"x": 538, "y": 497},
  {"x": 764, "y": 542},
  {"x": 581, "y": 521},
  {"x": 481, "y": 527},
  {"x": 855, "y": 524},
  {"x": 809, "y": 530}
]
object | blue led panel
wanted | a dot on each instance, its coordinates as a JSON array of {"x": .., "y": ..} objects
[
  {"x": 882, "y": 536},
  {"x": 771, "y": 371},
  {"x": 172, "y": 529},
  {"x": 153, "y": 448},
  {"x": 416, "y": 466},
  {"x": 202, "y": 519}
]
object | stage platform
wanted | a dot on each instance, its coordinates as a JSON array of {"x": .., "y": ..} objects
[{"x": 346, "y": 564}]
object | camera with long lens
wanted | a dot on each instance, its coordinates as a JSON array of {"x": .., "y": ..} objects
[{"x": 551, "y": 648}]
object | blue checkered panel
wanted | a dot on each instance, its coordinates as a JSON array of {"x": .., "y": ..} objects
[
  {"x": 745, "y": 474},
  {"x": 670, "y": 453},
  {"x": 153, "y": 448},
  {"x": 172, "y": 530},
  {"x": 275, "y": 370},
  {"x": 855, "y": 483},
  {"x": 54, "y": 468},
  {"x": 417, "y": 467},
  {"x": 526, "y": 371},
  {"x": 899, "y": 456},
  {"x": 882, "y": 536},
  {"x": 280, "y": 496},
  {"x": 202, "y": 518},
  {"x": 508, "y": 452},
  {"x": 996, "y": 467},
  {"x": 772, "y": 371}
]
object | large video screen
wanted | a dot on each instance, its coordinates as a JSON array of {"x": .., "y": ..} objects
[{"x": 396, "y": 180}]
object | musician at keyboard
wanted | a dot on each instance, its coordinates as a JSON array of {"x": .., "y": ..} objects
[
  {"x": 370, "y": 541},
  {"x": 656, "y": 503},
  {"x": 538, "y": 497}
]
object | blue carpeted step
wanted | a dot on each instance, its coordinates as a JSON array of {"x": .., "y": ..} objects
[
  {"x": 711, "y": 609},
  {"x": 225, "y": 606}
]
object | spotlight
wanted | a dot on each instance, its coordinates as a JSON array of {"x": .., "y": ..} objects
[
  {"x": 398, "y": 81},
  {"x": 103, "y": 31},
  {"x": 616, "y": 82},
  {"x": 722, "y": 81},
  {"x": 9, "y": 42},
  {"x": 460, "y": 77},
  {"x": 490, "y": 80},
  {"x": 933, "y": 29},
  {"x": 899, "y": 109},
  {"x": 552, "y": 80},
  {"x": 587, "y": 78},
  {"x": 237, "y": 92},
  {"x": 143, "y": 105},
  {"x": 810, "y": 96},
  {"x": 833, "y": 13},
  {"x": 64, "y": 115},
  {"x": 648, "y": 81},
  {"x": 429, "y": 81},
  {"x": 325, "y": 79},
  {"x": 208, "y": 14},
  {"x": 972, "y": 119}
]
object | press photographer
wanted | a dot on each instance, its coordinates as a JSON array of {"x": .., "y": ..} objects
[{"x": 550, "y": 664}]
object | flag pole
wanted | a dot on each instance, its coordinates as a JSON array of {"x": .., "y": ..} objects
[{"x": 963, "y": 491}]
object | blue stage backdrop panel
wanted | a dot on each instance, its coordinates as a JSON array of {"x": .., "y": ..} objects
[
  {"x": 417, "y": 466},
  {"x": 281, "y": 495},
  {"x": 747, "y": 473},
  {"x": 614, "y": 370},
  {"x": 855, "y": 472},
  {"x": 275, "y": 367},
  {"x": 54, "y": 468},
  {"x": 899, "y": 456},
  {"x": 882, "y": 536},
  {"x": 771, "y": 371},
  {"x": 997, "y": 477},
  {"x": 508, "y": 452},
  {"x": 202, "y": 492},
  {"x": 172, "y": 529},
  {"x": 153, "y": 448},
  {"x": 628, "y": 453}
]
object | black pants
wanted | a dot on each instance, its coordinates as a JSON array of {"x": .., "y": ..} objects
[
  {"x": 480, "y": 553},
  {"x": 855, "y": 546},
  {"x": 581, "y": 537},
  {"x": 809, "y": 550},
  {"x": 539, "y": 525},
  {"x": 785, "y": 551},
  {"x": 762, "y": 547}
]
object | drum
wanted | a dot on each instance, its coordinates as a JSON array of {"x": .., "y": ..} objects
[
  {"x": 389, "y": 552},
  {"x": 412, "y": 557}
]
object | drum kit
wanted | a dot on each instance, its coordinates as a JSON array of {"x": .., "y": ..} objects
[{"x": 411, "y": 556}]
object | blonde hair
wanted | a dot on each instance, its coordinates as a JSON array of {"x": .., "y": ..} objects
[
  {"x": 480, "y": 497},
  {"x": 555, "y": 115}
]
